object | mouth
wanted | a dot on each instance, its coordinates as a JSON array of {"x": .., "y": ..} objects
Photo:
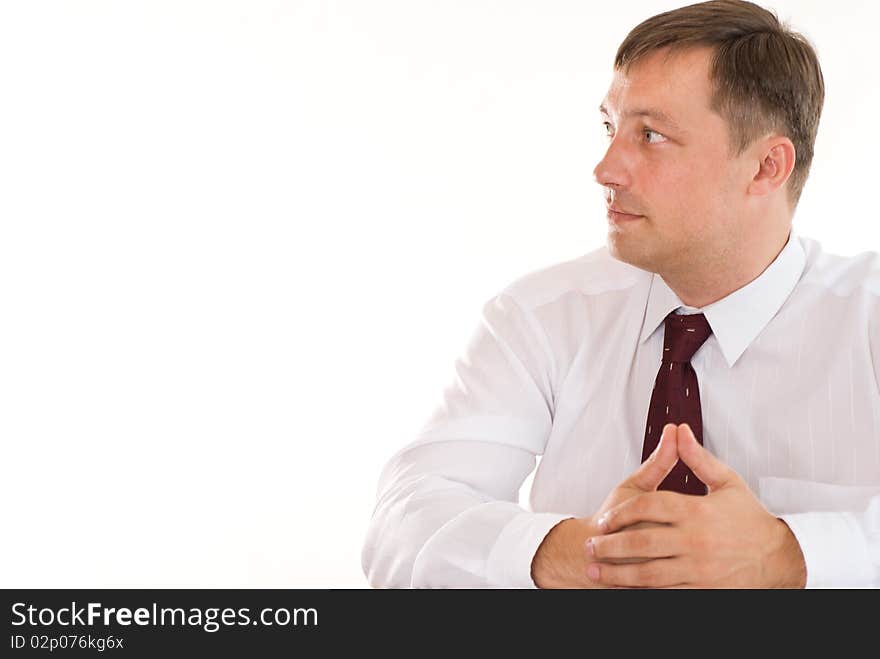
[{"x": 618, "y": 216}]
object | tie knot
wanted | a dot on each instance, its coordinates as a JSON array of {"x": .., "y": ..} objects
[{"x": 683, "y": 336}]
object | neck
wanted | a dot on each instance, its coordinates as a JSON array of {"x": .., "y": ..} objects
[{"x": 718, "y": 275}]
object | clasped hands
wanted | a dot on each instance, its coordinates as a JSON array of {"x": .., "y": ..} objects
[{"x": 645, "y": 538}]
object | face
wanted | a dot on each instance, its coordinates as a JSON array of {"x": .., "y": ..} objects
[{"x": 668, "y": 167}]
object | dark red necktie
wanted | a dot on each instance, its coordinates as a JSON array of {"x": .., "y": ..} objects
[{"x": 676, "y": 396}]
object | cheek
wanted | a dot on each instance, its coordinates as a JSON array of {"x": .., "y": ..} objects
[
  {"x": 687, "y": 203},
  {"x": 701, "y": 189},
  {"x": 688, "y": 189},
  {"x": 675, "y": 192}
]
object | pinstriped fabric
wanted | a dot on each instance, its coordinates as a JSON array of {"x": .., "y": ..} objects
[{"x": 676, "y": 394}]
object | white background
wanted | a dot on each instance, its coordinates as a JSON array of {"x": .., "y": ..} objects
[{"x": 242, "y": 243}]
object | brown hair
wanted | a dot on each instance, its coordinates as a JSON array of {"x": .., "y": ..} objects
[{"x": 766, "y": 76}]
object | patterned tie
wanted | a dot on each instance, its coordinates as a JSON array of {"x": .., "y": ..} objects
[{"x": 676, "y": 396}]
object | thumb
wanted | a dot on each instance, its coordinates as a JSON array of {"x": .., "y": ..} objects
[
  {"x": 653, "y": 470},
  {"x": 709, "y": 469}
]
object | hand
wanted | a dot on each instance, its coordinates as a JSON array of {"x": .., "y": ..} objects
[
  {"x": 561, "y": 560},
  {"x": 725, "y": 539}
]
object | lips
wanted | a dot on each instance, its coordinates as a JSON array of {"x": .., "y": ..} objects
[{"x": 615, "y": 209}]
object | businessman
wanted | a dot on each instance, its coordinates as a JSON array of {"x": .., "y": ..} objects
[{"x": 702, "y": 391}]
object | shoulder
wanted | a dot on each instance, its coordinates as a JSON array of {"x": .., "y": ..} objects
[
  {"x": 856, "y": 275},
  {"x": 593, "y": 273}
]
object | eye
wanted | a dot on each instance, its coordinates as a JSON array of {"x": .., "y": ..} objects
[
  {"x": 647, "y": 132},
  {"x": 609, "y": 131}
]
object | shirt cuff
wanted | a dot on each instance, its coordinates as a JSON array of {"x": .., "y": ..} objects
[
  {"x": 510, "y": 561},
  {"x": 834, "y": 547}
]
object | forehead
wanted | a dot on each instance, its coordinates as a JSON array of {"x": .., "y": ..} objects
[{"x": 675, "y": 84}]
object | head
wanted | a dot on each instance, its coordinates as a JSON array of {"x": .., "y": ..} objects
[{"x": 712, "y": 115}]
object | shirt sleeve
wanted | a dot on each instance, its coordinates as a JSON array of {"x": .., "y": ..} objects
[
  {"x": 447, "y": 512},
  {"x": 841, "y": 549}
]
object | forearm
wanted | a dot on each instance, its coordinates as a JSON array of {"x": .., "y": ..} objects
[
  {"x": 405, "y": 519},
  {"x": 441, "y": 521},
  {"x": 452, "y": 538},
  {"x": 840, "y": 549}
]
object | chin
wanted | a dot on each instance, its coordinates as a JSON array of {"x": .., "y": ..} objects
[{"x": 626, "y": 253}]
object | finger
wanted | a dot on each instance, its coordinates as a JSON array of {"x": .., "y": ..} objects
[
  {"x": 709, "y": 469},
  {"x": 640, "y": 543},
  {"x": 654, "y": 573},
  {"x": 653, "y": 470},
  {"x": 662, "y": 507}
]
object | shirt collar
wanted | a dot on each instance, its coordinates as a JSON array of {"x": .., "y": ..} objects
[{"x": 737, "y": 319}]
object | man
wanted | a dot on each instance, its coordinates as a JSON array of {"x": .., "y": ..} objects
[{"x": 735, "y": 360}]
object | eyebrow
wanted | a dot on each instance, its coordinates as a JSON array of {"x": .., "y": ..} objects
[{"x": 652, "y": 113}]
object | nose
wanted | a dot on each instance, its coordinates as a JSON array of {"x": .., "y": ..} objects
[{"x": 614, "y": 170}]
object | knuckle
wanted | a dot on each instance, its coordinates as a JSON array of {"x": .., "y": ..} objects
[
  {"x": 642, "y": 504},
  {"x": 670, "y": 500},
  {"x": 701, "y": 543},
  {"x": 697, "y": 507},
  {"x": 639, "y": 542},
  {"x": 648, "y": 574}
]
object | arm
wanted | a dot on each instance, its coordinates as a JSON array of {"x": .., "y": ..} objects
[
  {"x": 447, "y": 512},
  {"x": 840, "y": 549}
]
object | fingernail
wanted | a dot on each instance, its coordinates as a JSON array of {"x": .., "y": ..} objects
[
  {"x": 593, "y": 572},
  {"x": 591, "y": 550},
  {"x": 603, "y": 523}
]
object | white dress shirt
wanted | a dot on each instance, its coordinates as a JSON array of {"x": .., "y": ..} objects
[{"x": 562, "y": 364}]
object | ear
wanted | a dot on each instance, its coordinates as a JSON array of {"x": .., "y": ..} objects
[{"x": 777, "y": 157}]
